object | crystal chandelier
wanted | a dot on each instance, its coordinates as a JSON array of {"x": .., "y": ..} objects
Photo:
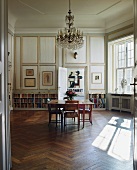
[{"x": 70, "y": 37}]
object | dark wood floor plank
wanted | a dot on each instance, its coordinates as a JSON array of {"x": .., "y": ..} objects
[{"x": 35, "y": 146}]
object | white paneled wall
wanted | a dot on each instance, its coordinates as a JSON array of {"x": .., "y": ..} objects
[
  {"x": 97, "y": 65},
  {"x": 34, "y": 53},
  {"x": 40, "y": 54}
]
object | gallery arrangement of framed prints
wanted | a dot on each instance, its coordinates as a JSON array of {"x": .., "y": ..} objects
[{"x": 45, "y": 80}]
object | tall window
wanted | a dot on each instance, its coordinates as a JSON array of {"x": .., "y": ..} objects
[{"x": 124, "y": 59}]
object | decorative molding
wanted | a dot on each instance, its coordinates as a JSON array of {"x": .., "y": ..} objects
[
  {"x": 10, "y": 29},
  {"x": 86, "y": 31},
  {"x": 54, "y": 30}
]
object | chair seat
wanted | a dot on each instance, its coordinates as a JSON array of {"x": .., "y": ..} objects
[
  {"x": 86, "y": 109},
  {"x": 71, "y": 111},
  {"x": 87, "y": 112},
  {"x": 58, "y": 112},
  {"x": 71, "y": 115}
]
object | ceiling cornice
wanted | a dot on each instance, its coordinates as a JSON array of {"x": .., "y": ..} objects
[{"x": 54, "y": 30}]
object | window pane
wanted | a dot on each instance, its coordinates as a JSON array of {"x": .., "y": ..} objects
[
  {"x": 123, "y": 63},
  {"x": 130, "y": 54},
  {"x": 119, "y": 78},
  {"x": 123, "y": 47},
  {"x": 120, "y": 49},
  {"x": 121, "y": 55},
  {"x": 128, "y": 77}
]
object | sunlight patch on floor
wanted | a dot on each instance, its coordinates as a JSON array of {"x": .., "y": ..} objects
[
  {"x": 103, "y": 140},
  {"x": 115, "y": 139},
  {"x": 126, "y": 123},
  {"x": 120, "y": 146},
  {"x": 113, "y": 120}
]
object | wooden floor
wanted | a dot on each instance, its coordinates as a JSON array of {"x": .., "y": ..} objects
[{"x": 105, "y": 145}]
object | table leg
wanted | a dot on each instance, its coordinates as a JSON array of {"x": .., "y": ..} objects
[
  {"x": 83, "y": 115},
  {"x": 62, "y": 122},
  {"x": 90, "y": 118}
]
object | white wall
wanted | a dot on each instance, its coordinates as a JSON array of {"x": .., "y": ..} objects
[{"x": 38, "y": 52}]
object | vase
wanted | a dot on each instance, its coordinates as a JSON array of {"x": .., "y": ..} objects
[{"x": 70, "y": 98}]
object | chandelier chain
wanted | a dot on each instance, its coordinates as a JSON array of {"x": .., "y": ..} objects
[{"x": 69, "y": 5}]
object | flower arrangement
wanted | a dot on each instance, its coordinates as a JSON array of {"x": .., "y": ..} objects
[{"x": 70, "y": 94}]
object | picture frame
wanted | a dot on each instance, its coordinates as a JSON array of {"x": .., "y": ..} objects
[
  {"x": 29, "y": 72},
  {"x": 30, "y": 82},
  {"x": 96, "y": 78},
  {"x": 47, "y": 78}
]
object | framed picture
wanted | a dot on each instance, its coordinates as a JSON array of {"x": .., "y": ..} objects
[
  {"x": 29, "y": 82},
  {"x": 96, "y": 78},
  {"x": 29, "y": 72},
  {"x": 47, "y": 78}
]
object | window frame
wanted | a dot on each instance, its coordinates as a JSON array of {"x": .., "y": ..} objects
[
  {"x": 113, "y": 62},
  {"x": 126, "y": 64}
]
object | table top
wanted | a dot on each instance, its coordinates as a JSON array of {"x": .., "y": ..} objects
[{"x": 63, "y": 102}]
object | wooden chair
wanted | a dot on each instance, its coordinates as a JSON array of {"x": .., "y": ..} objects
[
  {"x": 71, "y": 111},
  {"x": 57, "y": 111},
  {"x": 88, "y": 114}
]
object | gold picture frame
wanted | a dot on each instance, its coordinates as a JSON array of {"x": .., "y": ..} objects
[
  {"x": 47, "y": 78},
  {"x": 29, "y": 72},
  {"x": 30, "y": 82}
]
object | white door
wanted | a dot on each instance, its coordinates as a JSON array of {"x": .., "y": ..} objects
[
  {"x": 135, "y": 85},
  {"x": 5, "y": 161},
  {"x": 62, "y": 82},
  {"x": 135, "y": 120}
]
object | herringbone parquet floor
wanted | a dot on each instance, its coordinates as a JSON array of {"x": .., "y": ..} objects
[{"x": 105, "y": 145}]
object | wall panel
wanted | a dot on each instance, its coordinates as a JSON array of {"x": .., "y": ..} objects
[
  {"x": 96, "y": 49},
  {"x": 95, "y": 81},
  {"x": 29, "y": 49},
  {"x": 47, "y": 49},
  {"x": 17, "y": 63}
]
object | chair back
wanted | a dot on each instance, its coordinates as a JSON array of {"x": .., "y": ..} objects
[
  {"x": 57, "y": 108},
  {"x": 72, "y": 111},
  {"x": 72, "y": 101},
  {"x": 51, "y": 107},
  {"x": 72, "y": 107}
]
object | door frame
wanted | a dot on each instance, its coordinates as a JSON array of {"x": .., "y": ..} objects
[
  {"x": 5, "y": 151},
  {"x": 86, "y": 79}
]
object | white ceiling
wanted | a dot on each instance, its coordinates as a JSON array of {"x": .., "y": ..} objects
[{"x": 95, "y": 14}]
